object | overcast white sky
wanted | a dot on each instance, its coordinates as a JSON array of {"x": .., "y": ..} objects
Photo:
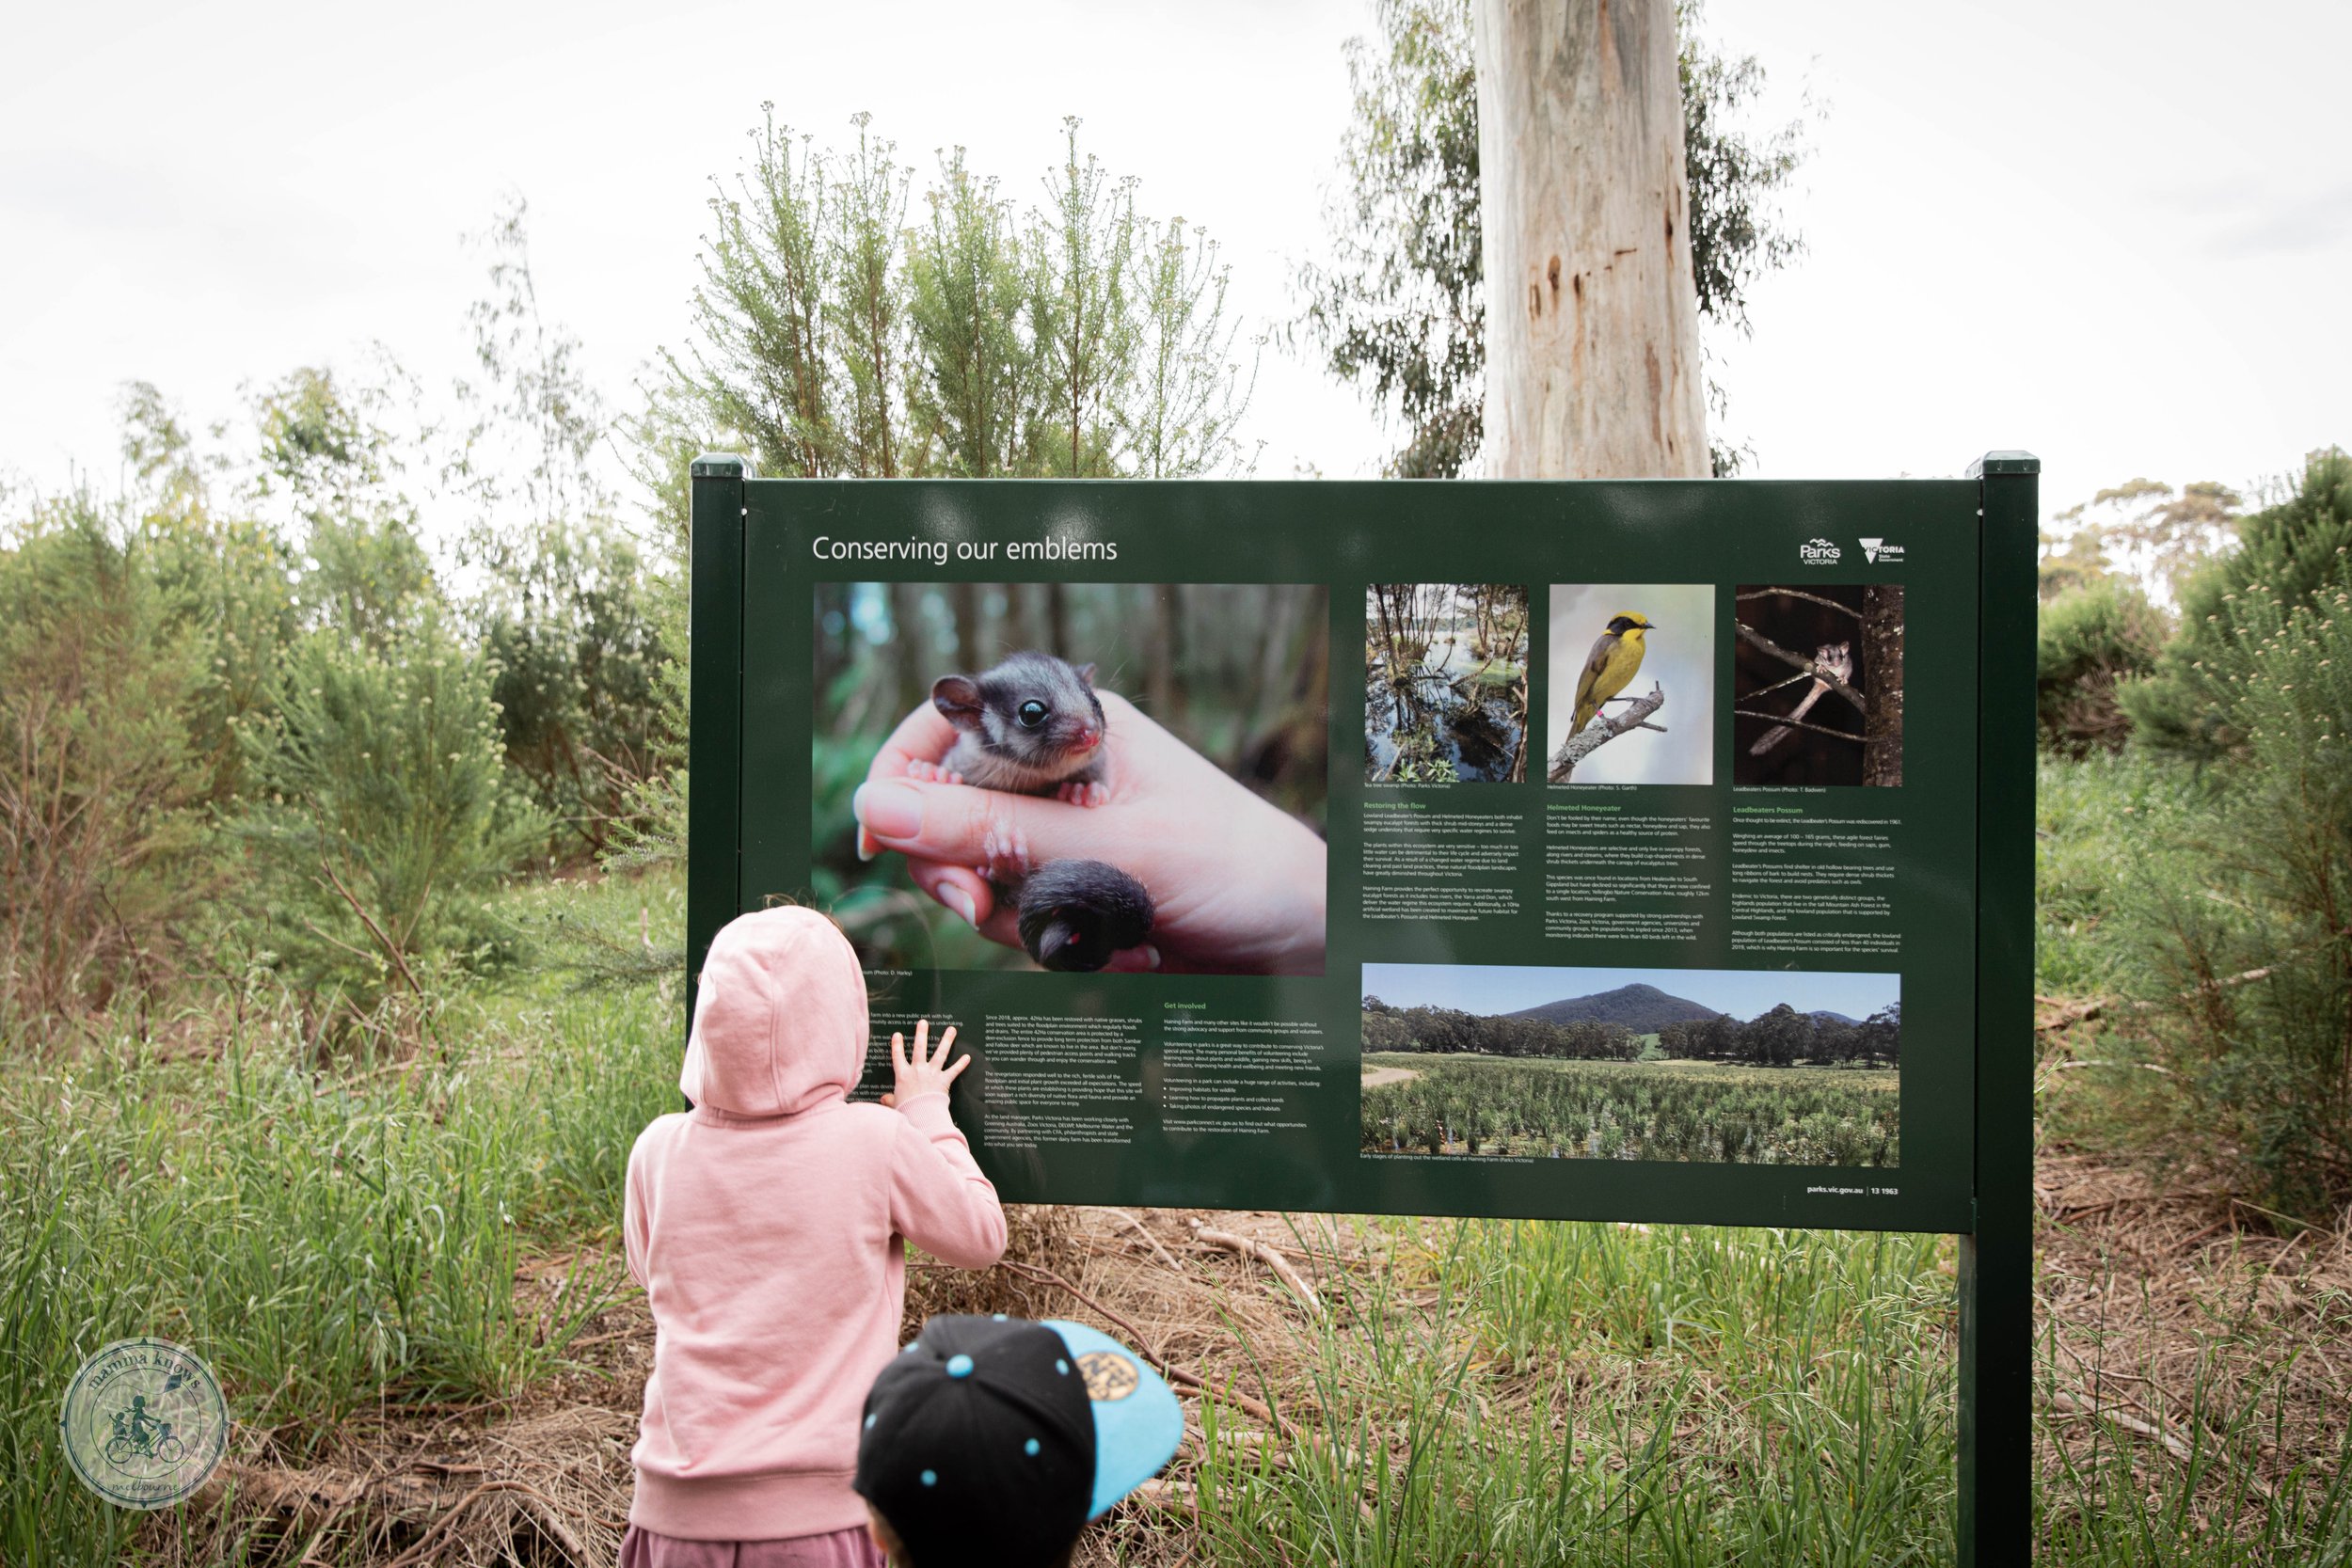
[{"x": 2114, "y": 234}]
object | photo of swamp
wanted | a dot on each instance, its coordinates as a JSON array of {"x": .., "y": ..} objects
[{"x": 1445, "y": 683}]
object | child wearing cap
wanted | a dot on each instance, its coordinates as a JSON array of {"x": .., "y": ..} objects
[
  {"x": 992, "y": 1442},
  {"x": 767, "y": 1225}
]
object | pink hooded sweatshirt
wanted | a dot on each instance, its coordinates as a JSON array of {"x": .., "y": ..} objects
[{"x": 769, "y": 1226}]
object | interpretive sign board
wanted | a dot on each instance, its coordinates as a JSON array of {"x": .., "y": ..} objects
[{"x": 1642, "y": 852}]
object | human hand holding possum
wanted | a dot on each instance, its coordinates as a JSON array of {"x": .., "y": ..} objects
[{"x": 1235, "y": 884}]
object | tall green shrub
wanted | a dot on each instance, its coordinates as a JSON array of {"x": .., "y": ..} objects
[
  {"x": 385, "y": 814},
  {"x": 2246, "y": 917},
  {"x": 99, "y": 836},
  {"x": 2091, "y": 639},
  {"x": 564, "y": 617},
  {"x": 2289, "y": 554}
]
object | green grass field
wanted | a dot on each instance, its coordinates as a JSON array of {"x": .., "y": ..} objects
[
  {"x": 1674, "y": 1109},
  {"x": 346, "y": 1240}
]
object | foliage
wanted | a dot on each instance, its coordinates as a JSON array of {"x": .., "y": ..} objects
[
  {"x": 2242, "y": 915},
  {"x": 560, "y": 591},
  {"x": 325, "y": 1245},
  {"x": 2091, "y": 639},
  {"x": 2289, "y": 555},
  {"x": 1401, "y": 307},
  {"x": 1083, "y": 339},
  {"x": 537, "y": 423},
  {"x": 100, "y": 785},
  {"x": 1780, "y": 1039},
  {"x": 2159, "y": 534},
  {"x": 1636, "y": 1111},
  {"x": 2075, "y": 561},
  {"x": 383, "y": 813},
  {"x": 2093, "y": 815},
  {"x": 565, "y": 622}
]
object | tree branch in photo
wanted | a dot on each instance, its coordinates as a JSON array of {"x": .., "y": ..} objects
[
  {"x": 1603, "y": 730},
  {"x": 1786, "y": 724},
  {"x": 1883, "y": 657},
  {"x": 1764, "y": 644},
  {"x": 1800, "y": 593}
]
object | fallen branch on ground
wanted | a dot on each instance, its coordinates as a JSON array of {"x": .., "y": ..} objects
[
  {"x": 1138, "y": 1226},
  {"x": 1267, "y": 1255}
]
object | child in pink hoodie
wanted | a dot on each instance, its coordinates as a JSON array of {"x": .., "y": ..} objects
[{"x": 769, "y": 1226}]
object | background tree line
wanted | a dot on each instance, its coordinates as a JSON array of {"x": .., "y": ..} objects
[
  {"x": 1781, "y": 1037},
  {"x": 1449, "y": 1029},
  {"x": 1786, "y": 1038}
]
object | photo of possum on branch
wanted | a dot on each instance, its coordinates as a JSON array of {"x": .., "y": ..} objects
[
  {"x": 1026, "y": 681},
  {"x": 1817, "y": 697}
]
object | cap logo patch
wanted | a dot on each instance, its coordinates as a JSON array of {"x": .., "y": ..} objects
[{"x": 1110, "y": 1375}]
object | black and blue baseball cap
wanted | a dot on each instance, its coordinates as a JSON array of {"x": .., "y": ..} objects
[{"x": 992, "y": 1441}]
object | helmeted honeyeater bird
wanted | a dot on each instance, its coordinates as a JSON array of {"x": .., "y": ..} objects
[{"x": 1610, "y": 665}]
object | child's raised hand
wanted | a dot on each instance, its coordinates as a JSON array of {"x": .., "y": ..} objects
[{"x": 923, "y": 1073}]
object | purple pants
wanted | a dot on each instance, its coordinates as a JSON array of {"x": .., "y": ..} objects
[{"x": 843, "y": 1549}]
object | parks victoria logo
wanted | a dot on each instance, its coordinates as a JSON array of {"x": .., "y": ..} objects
[
  {"x": 1818, "y": 552},
  {"x": 144, "y": 1423}
]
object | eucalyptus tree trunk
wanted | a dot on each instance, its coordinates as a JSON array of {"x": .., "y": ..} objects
[{"x": 1593, "y": 366}]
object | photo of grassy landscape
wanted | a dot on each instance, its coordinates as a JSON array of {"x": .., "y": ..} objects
[{"x": 1616, "y": 1067}]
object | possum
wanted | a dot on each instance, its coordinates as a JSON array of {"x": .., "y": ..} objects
[
  {"x": 1032, "y": 725},
  {"x": 1836, "y": 657}
]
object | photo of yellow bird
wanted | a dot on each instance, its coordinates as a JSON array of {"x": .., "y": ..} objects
[{"x": 1613, "y": 664}]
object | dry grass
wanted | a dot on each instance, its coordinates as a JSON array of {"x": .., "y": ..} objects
[
  {"x": 2154, "y": 1306},
  {"x": 2161, "y": 1309}
]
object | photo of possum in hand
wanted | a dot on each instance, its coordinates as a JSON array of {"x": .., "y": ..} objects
[
  {"x": 1073, "y": 777},
  {"x": 1033, "y": 725}
]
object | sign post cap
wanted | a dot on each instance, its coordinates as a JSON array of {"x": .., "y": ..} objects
[
  {"x": 2005, "y": 461},
  {"x": 721, "y": 465}
]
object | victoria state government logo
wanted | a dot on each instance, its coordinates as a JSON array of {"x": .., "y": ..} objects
[
  {"x": 144, "y": 1423},
  {"x": 1818, "y": 552}
]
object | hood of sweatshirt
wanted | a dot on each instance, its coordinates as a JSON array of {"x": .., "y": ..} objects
[{"x": 780, "y": 1020}]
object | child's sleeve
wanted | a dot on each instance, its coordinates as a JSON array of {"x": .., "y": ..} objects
[
  {"x": 939, "y": 1200},
  {"x": 634, "y": 1229}
]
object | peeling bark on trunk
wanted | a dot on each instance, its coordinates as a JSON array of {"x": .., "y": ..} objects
[
  {"x": 1593, "y": 368},
  {"x": 1883, "y": 659}
]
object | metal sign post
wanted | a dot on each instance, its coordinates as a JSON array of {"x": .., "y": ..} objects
[{"x": 1995, "y": 1523}]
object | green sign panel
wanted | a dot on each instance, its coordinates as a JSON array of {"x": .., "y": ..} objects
[{"x": 1650, "y": 852}]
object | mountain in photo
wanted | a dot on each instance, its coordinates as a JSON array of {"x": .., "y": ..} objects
[
  {"x": 1644, "y": 1009},
  {"x": 1827, "y": 1017}
]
